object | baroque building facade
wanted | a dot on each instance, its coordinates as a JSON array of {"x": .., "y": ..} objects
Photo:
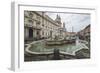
[
  {"x": 38, "y": 25},
  {"x": 85, "y": 33}
]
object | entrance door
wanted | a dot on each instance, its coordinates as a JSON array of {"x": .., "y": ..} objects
[
  {"x": 30, "y": 33},
  {"x": 50, "y": 34},
  {"x": 38, "y": 34}
]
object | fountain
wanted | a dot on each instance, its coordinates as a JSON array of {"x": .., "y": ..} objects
[
  {"x": 57, "y": 49},
  {"x": 56, "y": 54},
  {"x": 58, "y": 41}
]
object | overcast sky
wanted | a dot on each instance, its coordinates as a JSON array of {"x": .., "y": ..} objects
[{"x": 77, "y": 21}]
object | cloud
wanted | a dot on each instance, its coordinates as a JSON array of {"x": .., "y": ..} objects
[{"x": 77, "y": 21}]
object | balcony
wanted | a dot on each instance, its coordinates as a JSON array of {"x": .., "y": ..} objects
[
  {"x": 37, "y": 20},
  {"x": 28, "y": 25},
  {"x": 38, "y": 27}
]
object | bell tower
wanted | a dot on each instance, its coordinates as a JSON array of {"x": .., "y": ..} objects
[
  {"x": 63, "y": 24},
  {"x": 58, "y": 19},
  {"x": 64, "y": 28}
]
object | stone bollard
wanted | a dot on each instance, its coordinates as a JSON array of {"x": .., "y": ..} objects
[{"x": 56, "y": 54}]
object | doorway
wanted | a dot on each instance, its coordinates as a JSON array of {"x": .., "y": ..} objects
[{"x": 30, "y": 33}]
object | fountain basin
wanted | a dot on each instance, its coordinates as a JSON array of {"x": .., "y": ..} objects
[
  {"x": 59, "y": 42},
  {"x": 42, "y": 48}
]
